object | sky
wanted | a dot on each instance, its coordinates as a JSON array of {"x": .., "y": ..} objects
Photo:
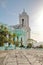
[{"x": 10, "y": 10}]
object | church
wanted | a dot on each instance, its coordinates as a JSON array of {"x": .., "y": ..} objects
[{"x": 23, "y": 27}]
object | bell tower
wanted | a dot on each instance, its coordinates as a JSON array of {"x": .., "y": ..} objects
[{"x": 24, "y": 21}]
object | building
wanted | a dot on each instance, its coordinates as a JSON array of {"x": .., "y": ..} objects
[{"x": 23, "y": 25}]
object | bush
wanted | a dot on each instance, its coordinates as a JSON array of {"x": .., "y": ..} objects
[
  {"x": 41, "y": 46},
  {"x": 22, "y": 46},
  {"x": 16, "y": 43},
  {"x": 29, "y": 45}
]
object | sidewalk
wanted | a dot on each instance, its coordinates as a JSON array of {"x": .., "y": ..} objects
[{"x": 22, "y": 57}]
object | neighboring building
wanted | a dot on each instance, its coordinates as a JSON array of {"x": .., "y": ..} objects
[{"x": 23, "y": 25}]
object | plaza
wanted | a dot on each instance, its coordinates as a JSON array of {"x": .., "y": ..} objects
[{"x": 22, "y": 57}]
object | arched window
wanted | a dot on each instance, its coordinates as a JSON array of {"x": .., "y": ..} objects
[{"x": 22, "y": 22}]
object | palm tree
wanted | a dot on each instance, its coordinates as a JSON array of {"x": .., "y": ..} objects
[
  {"x": 31, "y": 41},
  {"x": 14, "y": 35},
  {"x": 9, "y": 41},
  {"x": 21, "y": 43}
]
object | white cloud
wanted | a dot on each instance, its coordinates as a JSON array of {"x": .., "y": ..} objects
[{"x": 3, "y": 3}]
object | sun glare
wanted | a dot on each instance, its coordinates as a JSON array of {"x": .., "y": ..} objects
[{"x": 40, "y": 20}]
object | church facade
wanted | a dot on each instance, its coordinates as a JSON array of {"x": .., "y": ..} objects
[{"x": 24, "y": 26}]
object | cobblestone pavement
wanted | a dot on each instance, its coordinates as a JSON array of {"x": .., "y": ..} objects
[{"x": 22, "y": 57}]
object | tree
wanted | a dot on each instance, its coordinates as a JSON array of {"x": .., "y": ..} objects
[
  {"x": 31, "y": 41},
  {"x": 5, "y": 34},
  {"x": 3, "y": 38}
]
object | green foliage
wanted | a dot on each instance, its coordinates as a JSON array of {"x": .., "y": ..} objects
[
  {"x": 13, "y": 36},
  {"x": 29, "y": 45},
  {"x": 3, "y": 33},
  {"x": 17, "y": 43},
  {"x": 22, "y": 46},
  {"x": 3, "y": 36},
  {"x": 40, "y": 46}
]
